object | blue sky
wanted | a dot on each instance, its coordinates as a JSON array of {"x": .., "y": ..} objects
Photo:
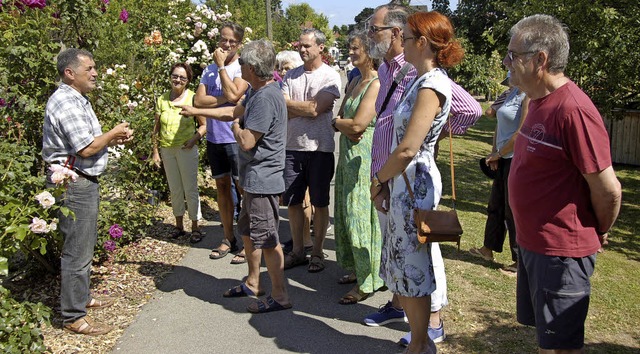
[{"x": 342, "y": 12}]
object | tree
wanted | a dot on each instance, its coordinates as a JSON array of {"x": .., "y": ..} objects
[
  {"x": 298, "y": 16},
  {"x": 364, "y": 15},
  {"x": 442, "y": 6},
  {"x": 476, "y": 20},
  {"x": 603, "y": 36}
]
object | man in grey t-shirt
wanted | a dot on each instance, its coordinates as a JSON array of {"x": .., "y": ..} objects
[
  {"x": 310, "y": 92},
  {"x": 259, "y": 127}
]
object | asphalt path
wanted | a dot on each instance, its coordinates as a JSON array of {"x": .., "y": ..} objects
[{"x": 188, "y": 314}]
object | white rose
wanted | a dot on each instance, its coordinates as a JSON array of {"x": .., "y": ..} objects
[
  {"x": 58, "y": 177},
  {"x": 45, "y": 199},
  {"x": 109, "y": 71},
  {"x": 123, "y": 87},
  {"x": 53, "y": 226},
  {"x": 38, "y": 226}
]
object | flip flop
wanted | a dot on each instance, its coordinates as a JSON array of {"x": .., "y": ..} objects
[
  {"x": 241, "y": 290},
  {"x": 231, "y": 247},
  {"x": 268, "y": 305},
  {"x": 242, "y": 259}
]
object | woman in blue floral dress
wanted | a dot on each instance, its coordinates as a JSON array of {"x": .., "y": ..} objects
[{"x": 406, "y": 267}]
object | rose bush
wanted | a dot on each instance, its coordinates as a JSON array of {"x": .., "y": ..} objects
[{"x": 134, "y": 44}]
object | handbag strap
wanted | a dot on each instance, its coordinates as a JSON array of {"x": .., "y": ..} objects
[
  {"x": 396, "y": 80},
  {"x": 453, "y": 184}
]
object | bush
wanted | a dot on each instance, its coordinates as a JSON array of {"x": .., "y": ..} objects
[{"x": 20, "y": 325}]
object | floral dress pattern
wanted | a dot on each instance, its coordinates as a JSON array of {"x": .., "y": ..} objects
[
  {"x": 357, "y": 230},
  {"x": 406, "y": 265}
]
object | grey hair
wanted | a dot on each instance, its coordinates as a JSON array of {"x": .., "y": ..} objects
[
  {"x": 238, "y": 31},
  {"x": 366, "y": 43},
  {"x": 261, "y": 56},
  {"x": 70, "y": 58},
  {"x": 319, "y": 35},
  {"x": 396, "y": 15},
  {"x": 289, "y": 56},
  {"x": 545, "y": 33}
]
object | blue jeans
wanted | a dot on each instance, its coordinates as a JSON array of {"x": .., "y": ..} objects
[{"x": 80, "y": 237}]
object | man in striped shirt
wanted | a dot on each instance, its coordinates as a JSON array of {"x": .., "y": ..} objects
[{"x": 385, "y": 29}]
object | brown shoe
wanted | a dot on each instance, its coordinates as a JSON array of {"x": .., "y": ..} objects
[
  {"x": 87, "y": 326},
  {"x": 100, "y": 303}
]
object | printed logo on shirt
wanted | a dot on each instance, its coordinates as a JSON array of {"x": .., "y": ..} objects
[{"x": 537, "y": 135}]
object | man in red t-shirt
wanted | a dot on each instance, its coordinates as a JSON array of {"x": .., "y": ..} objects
[{"x": 564, "y": 193}]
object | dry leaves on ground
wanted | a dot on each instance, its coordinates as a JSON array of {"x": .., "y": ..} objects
[{"x": 131, "y": 276}]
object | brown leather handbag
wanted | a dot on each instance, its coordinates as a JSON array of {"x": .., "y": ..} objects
[{"x": 438, "y": 225}]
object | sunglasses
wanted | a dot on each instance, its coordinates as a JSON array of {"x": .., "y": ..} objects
[
  {"x": 178, "y": 77},
  {"x": 230, "y": 42},
  {"x": 240, "y": 61}
]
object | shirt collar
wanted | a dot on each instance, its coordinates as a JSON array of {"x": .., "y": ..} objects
[{"x": 71, "y": 91}]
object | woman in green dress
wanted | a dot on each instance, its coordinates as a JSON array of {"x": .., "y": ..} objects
[{"x": 358, "y": 237}]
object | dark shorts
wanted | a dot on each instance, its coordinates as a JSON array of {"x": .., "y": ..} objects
[
  {"x": 259, "y": 219},
  {"x": 312, "y": 169},
  {"x": 223, "y": 159},
  {"x": 553, "y": 295}
]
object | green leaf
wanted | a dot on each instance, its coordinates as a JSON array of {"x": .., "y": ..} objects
[{"x": 4, "y": 266}]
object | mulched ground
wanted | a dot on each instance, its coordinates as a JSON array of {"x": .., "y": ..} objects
[{"x": 130, "y": 275}]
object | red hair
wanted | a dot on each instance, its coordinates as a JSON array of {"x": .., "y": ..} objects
[{"x": 437, "y": 29}]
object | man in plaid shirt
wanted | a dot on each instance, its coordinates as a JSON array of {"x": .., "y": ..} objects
[{"x": 72, "y": 136}]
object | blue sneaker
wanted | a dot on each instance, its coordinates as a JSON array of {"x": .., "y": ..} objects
[
  {"x": 436, "y": 334},
  {"x": 386, "y": 314}
]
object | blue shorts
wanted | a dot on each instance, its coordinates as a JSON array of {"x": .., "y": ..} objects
[
  {"x": 553, "y": 295},
  {"x": 259, "y": 219},
  {"x": 223, "y": 159},
  {"x": 313, "y": 169}
]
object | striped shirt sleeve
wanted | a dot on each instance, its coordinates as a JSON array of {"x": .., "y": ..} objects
[{"x": 465, "y": 110}]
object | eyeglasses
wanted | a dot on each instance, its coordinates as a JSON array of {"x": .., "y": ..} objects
[
  {"x": 375, "y": 29},
  {"x": 511, "y": 54},
  {"x": 240, "y": 61},
  {"x": 178, "y": 77},
  {"x": 230, "y": 42},
  {"x": 404, "y": 39}
]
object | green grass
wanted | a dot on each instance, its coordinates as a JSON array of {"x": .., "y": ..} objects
[{"x": 481, "y": 315}]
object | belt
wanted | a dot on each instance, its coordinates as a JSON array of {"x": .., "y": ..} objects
[{"x": 93, "y": 179}]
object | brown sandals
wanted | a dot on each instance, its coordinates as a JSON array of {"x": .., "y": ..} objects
[
  {"x": 353, "y": 297},
  {"x": 99, "y": 303},
  {"x": 87, "y": 326}
]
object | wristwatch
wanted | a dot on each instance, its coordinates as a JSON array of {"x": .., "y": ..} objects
[
  {"x": 376, "y": 181},
  {"x": 220, "y": 68}
]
